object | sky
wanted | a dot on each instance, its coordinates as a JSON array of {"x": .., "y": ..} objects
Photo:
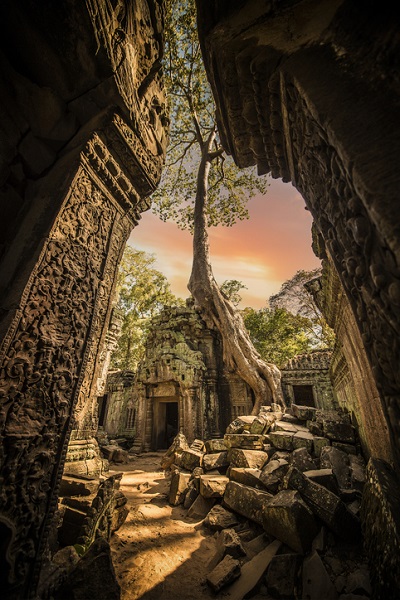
[{"x": 261, "y": 252}]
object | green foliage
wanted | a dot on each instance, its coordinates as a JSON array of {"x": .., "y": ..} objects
[
  {"x": 192, "y": 115},
  {"x": 277, "y": 334},
  {"x": 231, "y": 289},
  {"x": 296, "y": 298},
  {"x": 142, "y": 293}
]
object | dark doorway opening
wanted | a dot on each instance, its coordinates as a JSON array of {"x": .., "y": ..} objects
[
  {"x": 303, "y": 395},
  {"x": 102, "y": 407},
  {"x": 165, "y": 424}
]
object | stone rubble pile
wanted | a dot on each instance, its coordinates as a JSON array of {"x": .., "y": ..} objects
[{"x": 282, "y": 491}]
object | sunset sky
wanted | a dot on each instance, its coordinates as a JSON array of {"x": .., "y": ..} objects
[{"x": 262, "y": 252}]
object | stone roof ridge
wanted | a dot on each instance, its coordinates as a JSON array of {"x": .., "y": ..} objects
[{"x": 316, "y": 359}]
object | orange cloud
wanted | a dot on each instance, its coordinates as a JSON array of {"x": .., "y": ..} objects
[{"x": 262, "y": 252}]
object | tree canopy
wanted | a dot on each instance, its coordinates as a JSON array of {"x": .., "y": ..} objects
[
  {"x": 192, "y": 114},
  {"x": 142, "y": 292}
]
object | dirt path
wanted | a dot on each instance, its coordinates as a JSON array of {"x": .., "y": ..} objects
[{"x": 158, "y": 553}]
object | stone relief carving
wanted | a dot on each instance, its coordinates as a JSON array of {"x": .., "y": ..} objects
[
  {"x": 44, "y": 357},
  {"x": 368, "y": 268}
]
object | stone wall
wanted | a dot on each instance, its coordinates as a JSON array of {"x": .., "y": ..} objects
[
  {"x": 83, "y": 137},
  {"x": 311, "y": 370}
]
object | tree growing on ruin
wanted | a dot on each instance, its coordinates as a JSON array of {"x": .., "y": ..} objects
[
  {"x": 202, "y": 187},
  {"x": 142, "y": 292}
]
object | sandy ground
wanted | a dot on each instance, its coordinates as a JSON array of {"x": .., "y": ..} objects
[{"x": 158, "y": 553}]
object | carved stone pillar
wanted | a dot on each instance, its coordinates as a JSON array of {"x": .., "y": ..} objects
[{"x": 82, "y": 176}]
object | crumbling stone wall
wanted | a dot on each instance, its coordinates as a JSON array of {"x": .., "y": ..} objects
[
  {"x": 83, "y": 133},
  {"x": 120, "y": 405},
  {"x": 310, "y": 370}
]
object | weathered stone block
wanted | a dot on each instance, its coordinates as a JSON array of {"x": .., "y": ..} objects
[
  {"x": 272, "y": 474},
  {"x": 339, "y": 431},
  {"x": 281, "y": 578},
  {"x": 241, "y": 424},
  {"x": 197, "y": 446},
  {"x": 301, "y": 459},
  {"x": 228, "y": 542},
  {"x": 246, "y": 501},
  {"x": 217, "y": 460},
  {"x": 219, "y": 518},
  {"x": 282, "y": 440},
  {"x": 348, "y": 448},
  {"x": 191, "y": 494},
  {"x": 190, "y": 459},
  {"x": 303, "y": 413},
  {"x": 302, "y": 439},
  {"x": 178, "y": 488},
  {"x": 324, "y": 477},
  {"x": 224, "y": 573},
  {"x": 250, "y": 477},
  {"x": 288, "y": 518},
  {"x": 217, "y": 445},
  {"x": 319, "y": 443},
  {"x": 262, "y": 423},
  {"x": 316, "y": 581},
  {"x": 326, "y": 505},
  {"x": 200, "y": 507},
  {"x": 77, "y": 486},
  {"x": 338, "y": 461},
  {"x": 358, "y": 474},
  {"x": 252, "y": 459},
  {"x": 213, "y": 486},
  {"x": 244, "y": 440},
  {"x": 285, "y": 426}
]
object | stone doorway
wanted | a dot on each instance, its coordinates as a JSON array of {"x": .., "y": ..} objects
[
  {"x": 304, "y": 395},
  {"x": 165, "y": 422}
]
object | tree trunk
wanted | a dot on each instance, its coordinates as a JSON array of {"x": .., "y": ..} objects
[{"x": 239, "y": 354}]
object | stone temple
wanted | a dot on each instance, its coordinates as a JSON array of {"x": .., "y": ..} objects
[{"x": 306, "y": 90}]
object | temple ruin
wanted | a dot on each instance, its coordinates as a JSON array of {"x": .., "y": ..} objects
[{"x": 307, "y": 91}]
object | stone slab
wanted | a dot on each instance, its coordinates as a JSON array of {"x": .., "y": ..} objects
[
  {"x": 251, "y": 459},
  {"x": 216, "y": 445},
  {"x": 217, "y": 460},
  {"x": 220, "y": 518},
  {"x": 213, "y": 486},
  {"x": 224, "y": 573},
  {"x": 246, "y": 501}
]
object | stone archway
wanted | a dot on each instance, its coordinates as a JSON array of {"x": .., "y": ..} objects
[{"x": 83, "y": 132}]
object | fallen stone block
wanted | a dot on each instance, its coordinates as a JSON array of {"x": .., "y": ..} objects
[
  {"x": 218, "y": 460},
  {"x": 190, "y": 459},
  {"x": 246, "y": 501},
  {"x": 93, "y": 576},
  {"x": 262, "y": 424},
  {"x": 191, "y": 494},
  {"x": 319, "y": 443},
  {"x": 252, "y": 573},
  {"x": 241, "y": 424},
  {"x": 358, "y": 472},
  {"x": 217, "y": 445},
  {"x": 339, "y": 430},
  {"x": 285, "y": 426},
  {"x": 224, "y": 573},
  {"x": 301, "y": 459},
  {"x": 348, "y": 448},
  {"x": 244, "y": 440},
  {"x": 325, "y": 505},
  {"x": 178, "y": 445},
  {"x": 272, "y": 474},
  {"x": 178, "y": 488},
  {"x": 256, "y": 545},
  {"x": 325, "y": 477},
  {"x": 283, "y": 440},
  {"x": 303, "y": 413},
  {"x": 250, "y": 459},
  {"x": 219, "y": 518},
  {"x": 197, "y": 445},
  {"x": 338, "y": 461},
  {"x": 200, "y": 507},
  {"x": 358, "y": 582},
  {"x": 228, "y": 542},
  {"x": 250, "y": 477},
  {"x": 77, "y": 486},
  {"x": 288, "y": 518},
  {"x": 303, "y": 439},
  {"x": 282, "y": 574},
  {"x": 316, "y": 581},
  {"x": 320, "y": 541},
  {"x": 213, "y": 486}
]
